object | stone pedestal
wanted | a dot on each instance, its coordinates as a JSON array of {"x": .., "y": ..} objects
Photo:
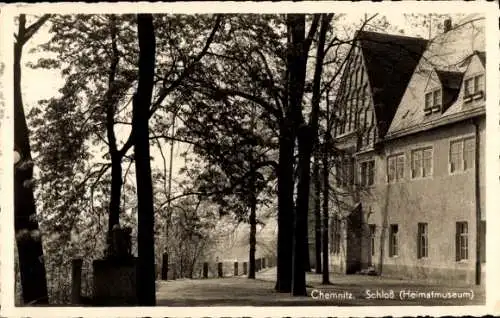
[
  {"x": 205, "y": 270},
  {"x": 220, "y": 272},
  {"x": 115, "y": 282},
  {"x": 76, "y": 281},
  {"x": 235, "y": 268},
  {"x": 164, "y": 267}
]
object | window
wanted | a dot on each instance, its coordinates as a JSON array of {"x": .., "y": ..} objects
[
  {"x": 367, "y": 173},
  {"x": 478, "y": 83},
  {"x": 474, "y": 85},
  {"x": 372, "y": 238},
  {"x": 427, "y": 162},
  {"x": 416, "y": 164},
  {"x": 468, "y": 86},
  {"x": 432, "y": 102},
  {"x": 469, "y": 153},
  {"x": 423, "y": 240},
  {"x": 421, "y": 163},
  {"x": 428, "y": 100},
  {"x": 462, "y": 242},
  {"x": 462, "y": 154},
  {"x": 393, "y": 241},
  {"x": 436, "y": 98},
  {"x": 395, "y": 167},
  {"x": 344, "y": 172}
]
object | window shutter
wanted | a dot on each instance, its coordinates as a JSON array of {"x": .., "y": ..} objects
[{"x": 457, "y": 241}]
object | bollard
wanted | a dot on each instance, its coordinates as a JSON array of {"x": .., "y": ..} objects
[
  {"x": 205, "y": 270},
  {"x": 235, "y": 268},
  {"x": 219, "y": 270},
  {"x": 263, "y": 262},
  {"x": 257, "y": 264},
  {"x": 76, "y": 279},
  {"x": 164, "y": 267},
  {"x": 245, "y": 269}
]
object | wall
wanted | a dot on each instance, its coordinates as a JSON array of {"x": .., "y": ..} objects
[{"x": 440, "y": 201}]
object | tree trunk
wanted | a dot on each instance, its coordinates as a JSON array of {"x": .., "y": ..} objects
[
  {"x": 116, "y": 190},
  {"x": 317, "y": 214},
  {"x": 324, "y": 228},
  {"x": 296, "y": 65},
  {"x": 302, "y": 207},
  {"x": 285, "y": 210},
  {"x": 116, "y": 157},
  {"x": 28, "y": 237},
  {"x": 307, "y": 261},
  {"x": 298, "y": 53},
  {"x": 141, "y": 105},
  {"x": 253, "y": 229}
]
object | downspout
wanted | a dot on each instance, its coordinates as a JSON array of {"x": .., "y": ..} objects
[{"x": 477, "y": 189}]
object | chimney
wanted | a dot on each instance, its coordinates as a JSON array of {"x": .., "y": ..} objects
[{"x": 447, "y": 25}]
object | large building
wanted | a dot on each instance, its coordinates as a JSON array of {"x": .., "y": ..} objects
[{"x": 409, "y": 180}]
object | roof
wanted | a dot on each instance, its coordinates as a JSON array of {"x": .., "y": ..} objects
[
  {"x": 482, "y": 57},
  {"x": 390, "y": 60},
  {"x": 449, "y": 55}
]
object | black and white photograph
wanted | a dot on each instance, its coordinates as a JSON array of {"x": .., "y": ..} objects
[{"x": 297, "y": 157}]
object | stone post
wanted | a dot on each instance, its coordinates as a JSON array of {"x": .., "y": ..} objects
[
  {"x": 76, "y": 281},
  {"x": 164, "y": 267},
  {"x": 235, "y": 268},
  {"x": 219, "y": 270},
  {"x": 205, "y": 270},
  {"x": 245, "y": 268}
]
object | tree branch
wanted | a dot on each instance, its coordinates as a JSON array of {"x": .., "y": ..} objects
[
  {"x": 165, "y": 91},
  {"x": 31, "y": 30}
]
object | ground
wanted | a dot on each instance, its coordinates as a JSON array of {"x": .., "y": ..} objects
[{"x": 241, "y": 291}]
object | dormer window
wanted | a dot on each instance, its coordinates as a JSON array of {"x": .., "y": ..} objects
[
  {"x": 433, "y": 102},
  {"x": 474, "y": 88}
]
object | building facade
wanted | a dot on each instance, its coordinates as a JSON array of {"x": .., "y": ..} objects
[{"x": 409, "y": 183}]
